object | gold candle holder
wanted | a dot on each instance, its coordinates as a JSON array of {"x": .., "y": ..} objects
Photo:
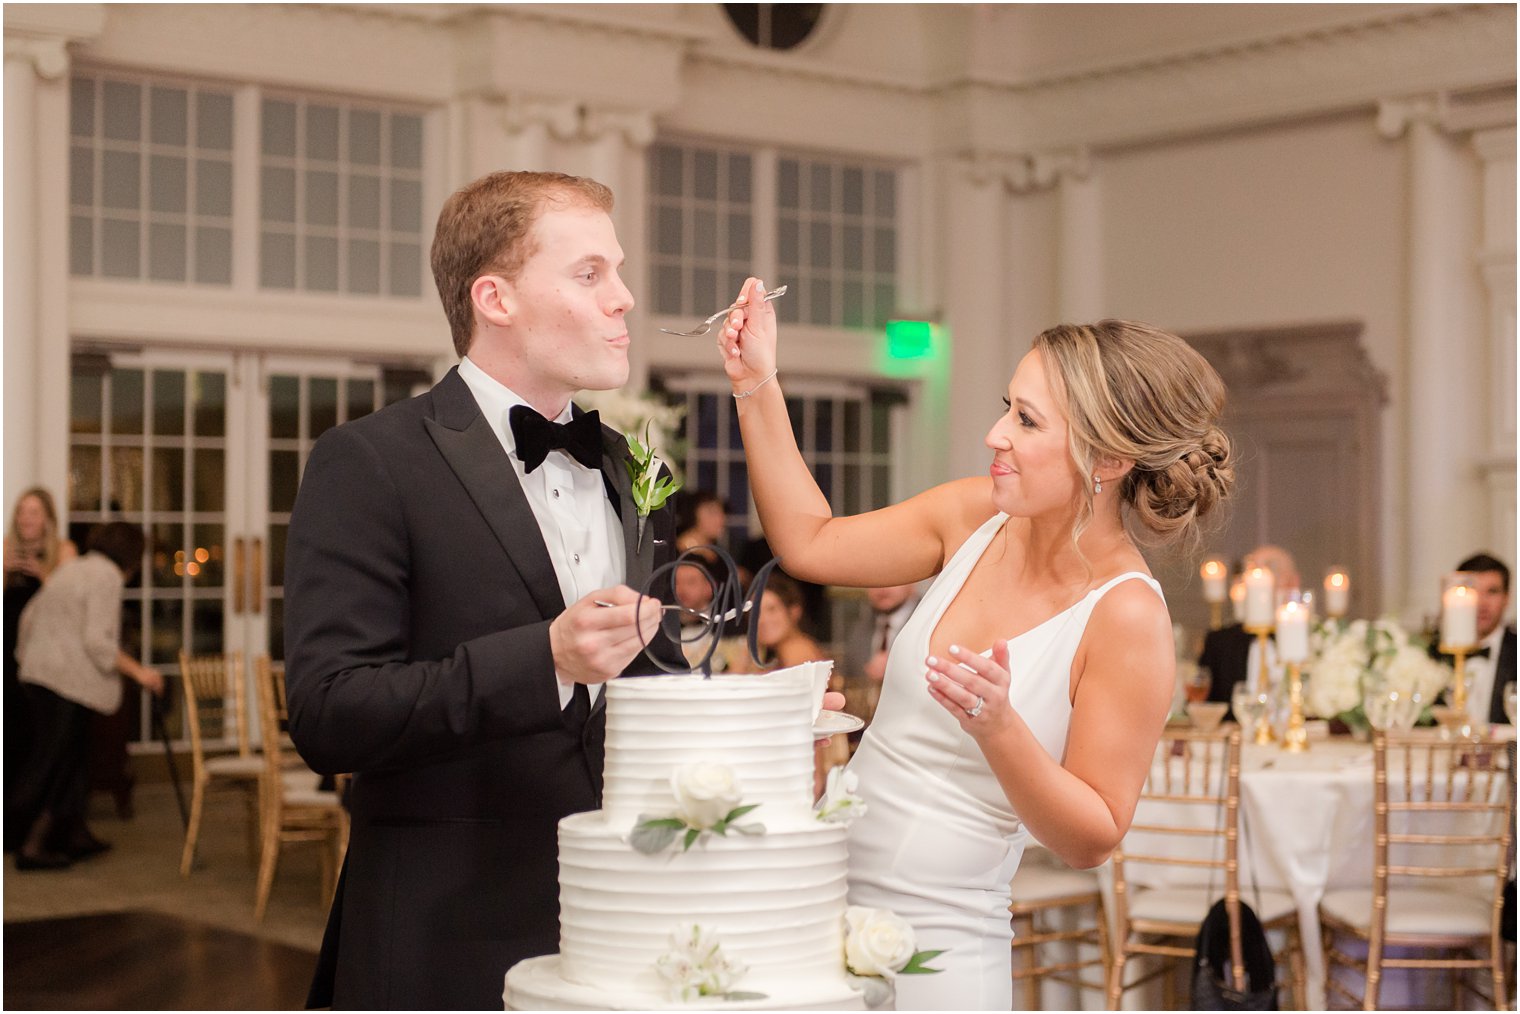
[
  {"x": 1295, "y": 737},
  {"x": 1459, "y": 655},
  {"x": 1264, "y": 733}
]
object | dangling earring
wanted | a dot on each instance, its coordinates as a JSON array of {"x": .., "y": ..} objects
[{"x": 1097, "y": 484}]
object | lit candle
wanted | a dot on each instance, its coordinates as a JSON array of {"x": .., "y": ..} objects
[
  {"x": 1292, "y": 632},
  {"x": 1337, "y": 593},
  {"x": 1238, "y": 599},
  {"x": 1214, "y": 580},
  {"x": 1259, "y": 597},
  {"x": 1459, "y": 617}
]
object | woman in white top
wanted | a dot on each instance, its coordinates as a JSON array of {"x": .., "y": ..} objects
[
  {"x": 1044, "y": 724},
  {"x": 69, "y": 655}
]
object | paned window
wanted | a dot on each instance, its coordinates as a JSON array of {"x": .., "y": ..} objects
[
  {"x": 836, "y": 235},
  {"x": 834, "y": 223},
  {"x": 701, "y": 225},
  {"x": 150, "y": 180},
  {"x": 340, "y": 198}
]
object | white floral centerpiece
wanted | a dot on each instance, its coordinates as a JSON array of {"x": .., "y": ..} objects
[
  {"x": 707, "y": 800},
  {"x": 1352, "y": 661}
]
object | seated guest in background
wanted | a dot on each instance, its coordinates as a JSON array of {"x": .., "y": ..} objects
[
  {"x": 69, "y": 653},
  {"x": 1229, "y": 653},
  {"x": 701, "y": 519},
  {"x": 782, "y": 640},
  {"x": 864, "y": 653},
  {"x": 1493, "y": 664}
]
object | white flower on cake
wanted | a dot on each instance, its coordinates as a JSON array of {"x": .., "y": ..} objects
[
  {"x": 839, "y": 804},
  {"x": 880, "y": 943},
  {"x": 695, "y": 966},
  {"x": 707, "y": 800},
  {"x": 705, "y": 793}
]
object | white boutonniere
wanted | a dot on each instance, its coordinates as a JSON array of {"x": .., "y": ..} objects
[{"x": 650, "y": 491}]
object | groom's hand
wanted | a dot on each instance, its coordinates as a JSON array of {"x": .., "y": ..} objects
[{"x": 595, "y": 639}]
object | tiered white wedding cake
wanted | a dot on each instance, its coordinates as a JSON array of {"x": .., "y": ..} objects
[{"x": 658, "y": 913}]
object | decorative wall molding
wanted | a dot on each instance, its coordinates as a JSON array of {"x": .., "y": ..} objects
[
  {"x": 1311, "y": 359},
  {"x": 567, "y": 119},
  {"x": 1395, "y": 116},
  {"x": 49, "y": 56},
  {"x": 1025, "y": 173}
]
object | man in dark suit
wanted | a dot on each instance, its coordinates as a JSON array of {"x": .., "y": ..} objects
[
  {"x": 1227, "y": 652},
  {"x": 1492, "y": 666},
  {"x": 457, "y": 590}
]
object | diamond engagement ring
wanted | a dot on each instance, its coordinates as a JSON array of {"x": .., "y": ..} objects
[{"x": 973, "y": 712}]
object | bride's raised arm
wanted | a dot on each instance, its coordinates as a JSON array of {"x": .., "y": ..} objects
[{"x": 895, "y": 545}]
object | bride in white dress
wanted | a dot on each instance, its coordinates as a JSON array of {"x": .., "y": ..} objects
[{"x": 1026, "y": 694}]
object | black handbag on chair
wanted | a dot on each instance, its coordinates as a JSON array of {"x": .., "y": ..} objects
[{"x": 1213, "y": 981}]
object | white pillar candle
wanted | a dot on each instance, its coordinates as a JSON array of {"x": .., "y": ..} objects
[
  {"x": 1214, "y": 581},
  {"x": 1292, "y": 632},
  {"x": 1459, "y": 617},
  {"x": 1259, "y": 597},
  {"x": 1337, "y": 593},
  {"x": 1238, "y": 599}
]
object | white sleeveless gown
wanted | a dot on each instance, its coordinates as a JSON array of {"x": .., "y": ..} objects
[{"x": 939, "y": 841}]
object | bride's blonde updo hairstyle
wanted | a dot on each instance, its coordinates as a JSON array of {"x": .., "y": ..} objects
[{"x": 1136, "y": 392}]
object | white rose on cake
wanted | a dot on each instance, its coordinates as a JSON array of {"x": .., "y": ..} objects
[
  {"x": 876, "y": 942},
  {"x": 705, "y": 793},
  {"x": 840, "y": 804}
]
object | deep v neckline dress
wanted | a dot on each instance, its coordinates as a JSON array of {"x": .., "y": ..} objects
[{"x": 939, "y": 841}]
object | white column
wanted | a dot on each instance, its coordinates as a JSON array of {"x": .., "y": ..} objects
[
  {"x": 36, "y": 381},
  {"x": 616, "y": 143},
  {"x": 1079, "y": 234},
  {"x": 20, "y": 273},
  {"x": 974, "y": 281},
  {"x": 1496, "y": 153},
  {"x": 1442, "y": 368}
]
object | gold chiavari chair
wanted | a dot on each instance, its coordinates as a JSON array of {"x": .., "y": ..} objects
[
  {"x": 1043, "y": 890},
  {"x": 1442, "y": 810},
  {"x": 1189, "y": 819},
  {"x": 295, "y": 810},
  {"x": 215, "y": 695}
]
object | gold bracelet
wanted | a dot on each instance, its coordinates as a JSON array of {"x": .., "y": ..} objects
[{"x": 767, "y": 380}]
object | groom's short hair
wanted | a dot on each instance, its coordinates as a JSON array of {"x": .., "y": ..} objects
[{"x": 485, "y": 227}]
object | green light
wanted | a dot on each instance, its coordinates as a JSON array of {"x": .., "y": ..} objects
[{"x": 910, "y": 339}]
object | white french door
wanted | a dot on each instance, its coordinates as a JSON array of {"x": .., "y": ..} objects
[{"x": 205, "y": 450}]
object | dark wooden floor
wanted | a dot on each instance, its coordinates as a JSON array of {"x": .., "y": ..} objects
[{"x": 148, "y": 961}]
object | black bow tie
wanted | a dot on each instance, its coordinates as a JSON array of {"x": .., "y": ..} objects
[
  {"x": 536, "y": 436},
  {"x": 1482, "y": 652}
]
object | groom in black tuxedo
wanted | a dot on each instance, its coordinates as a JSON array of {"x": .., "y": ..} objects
[
  {"x": 1493, "y": 664},
  {"x": 459, "y": 585}
]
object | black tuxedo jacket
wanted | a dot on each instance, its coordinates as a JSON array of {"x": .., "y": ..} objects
[
  {"x": 1227, "y": 654},
  {"x": 418, "y": 597}
]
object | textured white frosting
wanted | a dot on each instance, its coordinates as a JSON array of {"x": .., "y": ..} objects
[
  {"x": 758, "y": 725},
  {"x": 775, "y": 901}
]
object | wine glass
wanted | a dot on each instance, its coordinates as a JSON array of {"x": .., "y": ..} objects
[
  {"x": 1247, "y": 705},
  {"x": 1509, "y": 701}
]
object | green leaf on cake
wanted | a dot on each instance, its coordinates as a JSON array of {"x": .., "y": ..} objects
[
  {"x": 653, "y": 835},
  {"x": 735, "y": 995},
  {"x": 919, "y": 963},
  {"x": 692, "y": 834}
]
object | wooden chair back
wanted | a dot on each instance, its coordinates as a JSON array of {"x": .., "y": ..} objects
[
  {"x": 1196, "y": 777},
  {"x": 1442, "y": 807},
  {"x": 214, "y": 701}
]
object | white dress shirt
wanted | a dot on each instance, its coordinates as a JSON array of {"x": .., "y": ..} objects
[
  {"x": 1480, "y": 672},
  {"x": 581, "y": 530}
]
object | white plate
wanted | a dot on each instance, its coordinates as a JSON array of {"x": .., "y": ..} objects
[{"x": 835, "y": 723}]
